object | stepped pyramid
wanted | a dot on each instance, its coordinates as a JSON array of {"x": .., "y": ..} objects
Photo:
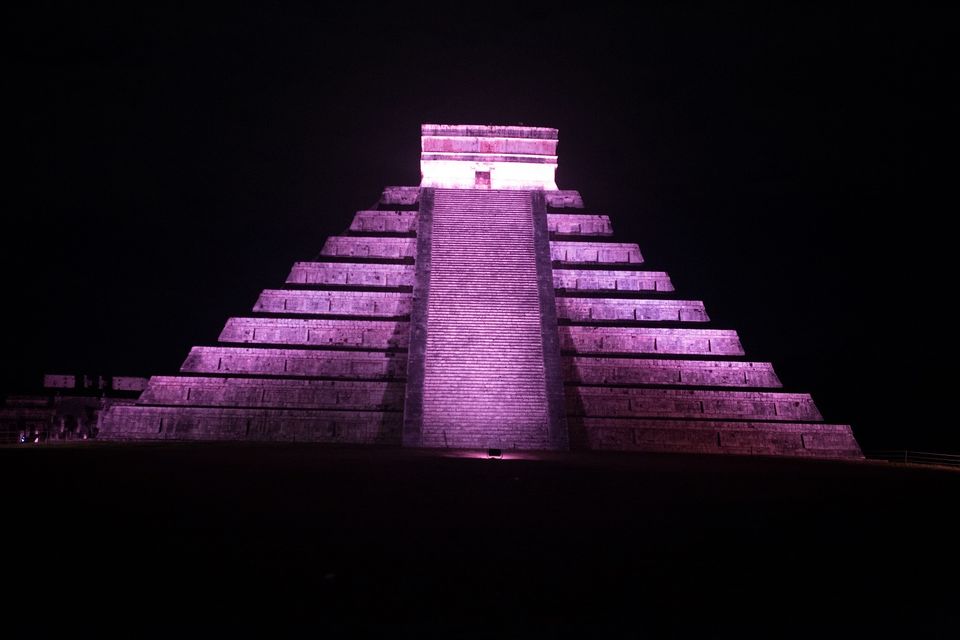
[{"x": 484, "y": 308}]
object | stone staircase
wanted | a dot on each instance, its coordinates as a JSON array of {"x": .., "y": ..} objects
[{"x": 484, "y": 381}]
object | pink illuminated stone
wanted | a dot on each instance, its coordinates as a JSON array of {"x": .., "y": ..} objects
[
  {"x": 484, "y": 383},
  {"x": 481, "y": 309},
  {"x": 483, "y": 157}
]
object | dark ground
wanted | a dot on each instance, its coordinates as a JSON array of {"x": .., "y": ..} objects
[{"x": 254, "y": 538}]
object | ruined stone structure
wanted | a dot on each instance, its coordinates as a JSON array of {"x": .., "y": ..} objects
[
  {"x": 67, "y": 407},
  {"x": 484, "y": 308}
]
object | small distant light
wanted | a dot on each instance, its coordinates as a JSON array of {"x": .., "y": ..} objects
[{"x": 494, "y": 453}]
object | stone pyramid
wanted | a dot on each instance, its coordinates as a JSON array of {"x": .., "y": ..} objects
[{"x": 484, "y": 308}]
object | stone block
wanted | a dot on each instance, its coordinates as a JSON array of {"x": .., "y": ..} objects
[
  {"x": 579, "y": 225},
  {"x": 576, "y": 280},
  {"x": 371, "y": 365},
  {"x": 369, "y": 247},
  {"x": 57, "y": 381},
  {"x": 689, "y": 403},
  {"x": 644, "y": 340},
  {"x": 275, "y": 393},
  {"x": 352, "y": 274},
  {"x": 129, "y": 383},
  {"x": 718, "y": 437},
  {"x": 641, "y": 310},
  {"x": 595, "y": 252},
  {"x": 489, "y": 145},
  {"x": 137, "y": 422},
  {"x": 364, "y": 334},
  {"x": 563, "y": 199},
  {"x": 626, "y": 371},
  {"x": 400, "y": 196},
  {"x": 385, "y": 221},
  {"x": 380, "y": 304}
]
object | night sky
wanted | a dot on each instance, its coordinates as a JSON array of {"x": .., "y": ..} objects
[{"x": 170, "y": 164}]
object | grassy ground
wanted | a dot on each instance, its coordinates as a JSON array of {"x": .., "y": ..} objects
[{"x": 252, "y": 538}]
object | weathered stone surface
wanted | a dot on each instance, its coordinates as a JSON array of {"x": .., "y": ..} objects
[
  {"x": 615, "y": 402},
  {"x": 461, "y": 143},
  {"x": 352, "y": 274},
  {"x": 623, "y": 340},
  {"x": 380, "y": 304},
  {"x": 428, "y": 131},
  {"x": 385, "y": 221},
  {"x": 617, "y": 309},
  {"x": 706, "y": 373},
  {"x": 370, "y": 365},
  {"x": 579, "y": 224},
  {"x": 275, "y": 393},
  {"x": 136, "y": 422},
  {"x": 365, "y": 334},
  {"x": 369, "y": 247},
  {"x": 57, "y": 381},
  {"x": 573, "y": 280},
  {"x": 733, "y": 437},
  {"x": 400, "y": 196},
  {"x": 484, "y": 381},
  {"x": 563, "y": 199},
  {"x": 484, "y": 362},
  {"x": 595, "y": 252},
  {"x": 406, "y": 222},
  {"x": 128, "y": 383}
]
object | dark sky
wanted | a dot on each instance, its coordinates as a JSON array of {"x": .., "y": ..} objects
[{"x": 173, "y": 162}]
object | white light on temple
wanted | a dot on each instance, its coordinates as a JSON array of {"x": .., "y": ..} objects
[{"x": 483, "y": 157}]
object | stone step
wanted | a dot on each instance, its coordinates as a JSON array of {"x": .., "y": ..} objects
[
  {"x": 701, "y": 373},
  {"x": 385, "y": 221},
  {"x": 595, "y": 252},
  {"x": 366, "y": 334},
  {"x": 276, "y": 393},
  {"x": 136, "y": 422},
  {"x": 642, "y": 340},
  {"x": 618, "y": 402},
  {"x": 381, "y": 304},
  {"x": 400, "y": 196},
  {"x": 816, "y": 440},
  {"x": 563, "y": 199},
  {"x": 625, "y": 309},
  {"x": 352, "y": 274},
  {"x": 369, "y": 247},
  {"x": 366, "y": 365},
  {"x": 406, "y": 222},
  {"x": 575, "y": 280},
  {"x": 579, "y": 224}
]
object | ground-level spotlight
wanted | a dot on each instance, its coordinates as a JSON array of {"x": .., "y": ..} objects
[{"x": 494, "y": 453}]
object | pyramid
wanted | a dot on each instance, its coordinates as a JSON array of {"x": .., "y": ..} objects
[{"x": 484, "y": 308}]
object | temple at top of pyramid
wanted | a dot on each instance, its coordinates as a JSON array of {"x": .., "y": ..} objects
[
  {"x": 487, "y": 157},
  {"x": 484, "y": 308}
]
